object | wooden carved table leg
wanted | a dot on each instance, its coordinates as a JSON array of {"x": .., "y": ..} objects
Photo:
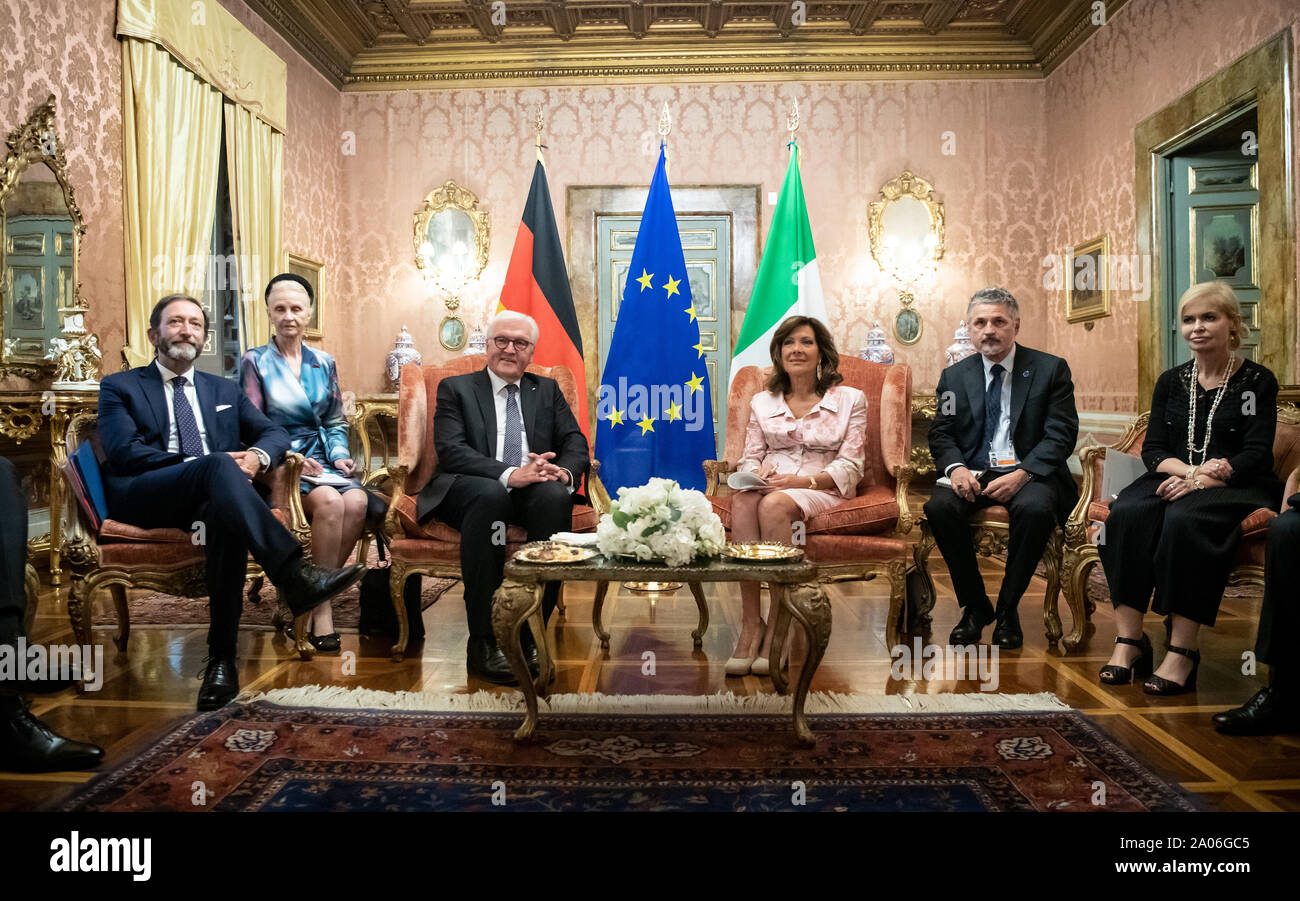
[
  {"x": 513, "y": 604},
  {"x": 698, "y": 590},
  {"x": 597, "y": 606},
  {"x": 808, "y": 605},
  {"x": 545, "y": 658}
]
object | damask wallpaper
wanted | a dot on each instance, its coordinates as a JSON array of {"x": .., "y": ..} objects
[
  {"x": 980, "y": 142},
  {"x": 1152, "y": 52},
  {"x": 1024, "y": 168}
]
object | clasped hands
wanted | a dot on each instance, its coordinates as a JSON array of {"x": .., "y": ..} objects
[
  {"x": 780, "y": 482},
  {"x": 1001, "y": 489},
  {"x": 314, "y": 467},
  {"x": 539, "y": 468},
  {"x": 1210, "y": 474}
]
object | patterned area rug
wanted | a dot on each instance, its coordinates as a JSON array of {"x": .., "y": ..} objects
[
  {"x": 161, "y": 611},
  {"x": 262, "y": 756}
]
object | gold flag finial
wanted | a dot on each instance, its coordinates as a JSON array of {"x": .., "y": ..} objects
[
  {"x": 539, "y": 123},
  {"x": 665, "y": 121},
  {"x": 792, "y": 118}
]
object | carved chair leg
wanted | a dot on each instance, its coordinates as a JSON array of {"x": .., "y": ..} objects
[
  {"x": 898, "y": 614},
  {"x": 123, "y": 616},
  {"x": 1077, "y": 565},
  {"x": 396, "y": 590},
  {"x": 597, "y": 606},
  {"x": 919, "y": 619},
  {"x": 32, "y": 587},
  {"x": 1051, "y": 599},
  {"x": 698, "y": 635},
  {"x": 79, "y": 598}
]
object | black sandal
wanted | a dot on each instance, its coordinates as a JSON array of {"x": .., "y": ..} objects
[
  {"x": 1159, "y": 685},
  {"x": 1123, "y": 675}
]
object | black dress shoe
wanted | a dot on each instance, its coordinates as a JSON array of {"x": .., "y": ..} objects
[
  {"x": 972, "y": 624},
  {"x": 485, "y": 660},
  {"x": 1267, "y": 713},
  {"x": 220, "y": 683},
  {"x": 1007, "y": 634},
  {"x": 29, "y": 746},
  {"x": 305, "y": 586}
]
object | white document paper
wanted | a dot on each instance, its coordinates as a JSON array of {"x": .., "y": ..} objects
[
  {"x": 329, "y": 478},
  {"x": 1119, "y": 470},
  {"x": 745, "y": 481},
  {"x": 575, "y": 539}
]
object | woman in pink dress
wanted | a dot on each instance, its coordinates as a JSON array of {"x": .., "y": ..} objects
[{"x": 806, "y": 437}]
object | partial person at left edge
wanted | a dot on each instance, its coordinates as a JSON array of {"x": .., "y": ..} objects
[{"x": 182, "y": 448}]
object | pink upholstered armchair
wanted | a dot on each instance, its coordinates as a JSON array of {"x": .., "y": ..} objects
[
  {"x": 433, "y": 548},
  {"x": 860, "y": 538}
]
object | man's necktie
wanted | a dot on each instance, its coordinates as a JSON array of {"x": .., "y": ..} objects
[
  {"x": 187, "y": 427},
  {"x": 992, "y": 406},
  {"x": 512, "y": 449}
]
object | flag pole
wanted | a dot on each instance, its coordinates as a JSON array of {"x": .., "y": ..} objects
[
  {"x": 792, "y": 126},
  {"x": 539, "y": 124},
  {"x": 665, "y": 127}
]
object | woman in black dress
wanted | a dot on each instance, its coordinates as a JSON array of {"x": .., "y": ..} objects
[{"x": 1209, "y": 457}]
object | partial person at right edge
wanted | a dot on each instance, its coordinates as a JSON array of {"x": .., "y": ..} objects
[{"x": 182, "y": 447}]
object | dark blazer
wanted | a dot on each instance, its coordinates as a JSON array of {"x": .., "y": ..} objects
[
  {"x": 134, "y": 422},
  {"x": 465, "y": 432},
  {"x": 1044, "y": 423}
]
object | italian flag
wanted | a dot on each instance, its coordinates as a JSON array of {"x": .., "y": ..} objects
[{"x": 788, "y": 283}]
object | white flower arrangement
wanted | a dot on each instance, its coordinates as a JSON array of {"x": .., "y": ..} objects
[{"x": 660, "y": 520}]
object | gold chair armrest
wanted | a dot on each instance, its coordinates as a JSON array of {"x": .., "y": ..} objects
[
  {"x": 396, "y": 487},
  {"x": 903, "y": 475},
  {"x": 291, "y": 472},
  {"x": 714, "y": 470},
  {"x": 1076, "y": 524},
  {"x": 596, "y": 492}
]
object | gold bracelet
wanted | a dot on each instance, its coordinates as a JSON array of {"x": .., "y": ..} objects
[{"x": 812, "y": 482}]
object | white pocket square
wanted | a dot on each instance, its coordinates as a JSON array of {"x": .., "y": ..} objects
[{"x": 221, "y": 407}]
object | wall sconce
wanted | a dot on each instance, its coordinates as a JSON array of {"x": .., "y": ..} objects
[{"x": 906, "y": 228}]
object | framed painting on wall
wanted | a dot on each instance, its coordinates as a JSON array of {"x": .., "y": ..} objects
[
  {"x": 1087, "y": 281},
  {"x": 314, "y": 273}
]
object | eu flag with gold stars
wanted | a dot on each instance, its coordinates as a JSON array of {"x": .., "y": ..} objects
[{"x": 655, "y": 416}]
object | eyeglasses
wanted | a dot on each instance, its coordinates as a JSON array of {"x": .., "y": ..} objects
[{"x": 520, "y": 344}]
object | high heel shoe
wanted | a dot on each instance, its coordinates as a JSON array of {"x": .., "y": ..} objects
[
  {"x": 742, "y": 666},
  {"x": 1159, "y": 685},
  {"x": 763, "y": 666},
  {"x": 1123, "y": 675},
  {"x": 326, "y": 644}
]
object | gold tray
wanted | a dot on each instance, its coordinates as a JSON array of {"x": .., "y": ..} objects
[
  {"x": 762, "y": 552},
  {"x": 554, "y": 553}
]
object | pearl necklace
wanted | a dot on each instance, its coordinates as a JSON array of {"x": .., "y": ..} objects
[{"x": 1192, "y": 449}]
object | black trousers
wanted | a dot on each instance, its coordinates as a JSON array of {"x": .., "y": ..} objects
[
  {"x": 13, "y": 560},
  {"x": 479, "y": 508},
  {"x": 1279, "y": 618},
  {"x": 1032, "y": 511},
  {"x": 1182, "y": 550},
  {"x": 215, "y": 492}
]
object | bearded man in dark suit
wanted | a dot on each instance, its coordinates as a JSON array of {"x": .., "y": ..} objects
[
  {"x": 1005, "y": 428},
  {"x": 182, "y": 447},
  {"x": 509, "y": 451}
]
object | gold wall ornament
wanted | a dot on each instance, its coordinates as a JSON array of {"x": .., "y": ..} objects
[
  {"x": 451, "y": 197},
  {"x": 36, "y": 142},
  {"x": 20, "y": 421},
  {"x": 906, "y": 228}
]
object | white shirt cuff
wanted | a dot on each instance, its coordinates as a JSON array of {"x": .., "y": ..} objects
[
  {"x": 262, "y": 456},
  {"x": 951, "y": 467},
  {"x": 504, "y": 478}
]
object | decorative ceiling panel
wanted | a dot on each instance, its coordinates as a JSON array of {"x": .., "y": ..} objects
[{"x": 395, "y": 44}]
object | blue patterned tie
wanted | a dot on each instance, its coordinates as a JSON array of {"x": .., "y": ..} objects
[
  {"x": 187, "y": 427},
  {"x": 512, "y": 449},
  {"x": 993, "y": 405}
]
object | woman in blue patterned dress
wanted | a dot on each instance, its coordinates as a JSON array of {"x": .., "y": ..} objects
[{"x": 297, "y": 387}]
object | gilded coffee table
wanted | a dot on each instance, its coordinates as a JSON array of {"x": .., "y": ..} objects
[{"x": 796, "y": 595}]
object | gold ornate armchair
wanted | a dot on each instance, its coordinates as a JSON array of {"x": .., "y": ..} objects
[
  {"x": 1080, "y": 554},
  {"x": 432, "y": 548},
  {"x": 121, "y": 556},
  {"x": 861, "y": 538}
]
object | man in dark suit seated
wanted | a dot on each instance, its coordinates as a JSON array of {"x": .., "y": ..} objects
[
  {"x": 509, "y": 451},
  {"x": 1004, "y": 429},
  {"x": 26, "y": 744},
  {"x": 181, "y": 449}
]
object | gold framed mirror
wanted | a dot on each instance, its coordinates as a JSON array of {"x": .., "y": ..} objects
[
  {"x": 451, "y": 236},
  {"x": 42, "y": 312},
  {"x": 906, "y": 229}
]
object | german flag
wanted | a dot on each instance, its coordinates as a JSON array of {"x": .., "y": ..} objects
[{"x": 538, "y": 285}]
